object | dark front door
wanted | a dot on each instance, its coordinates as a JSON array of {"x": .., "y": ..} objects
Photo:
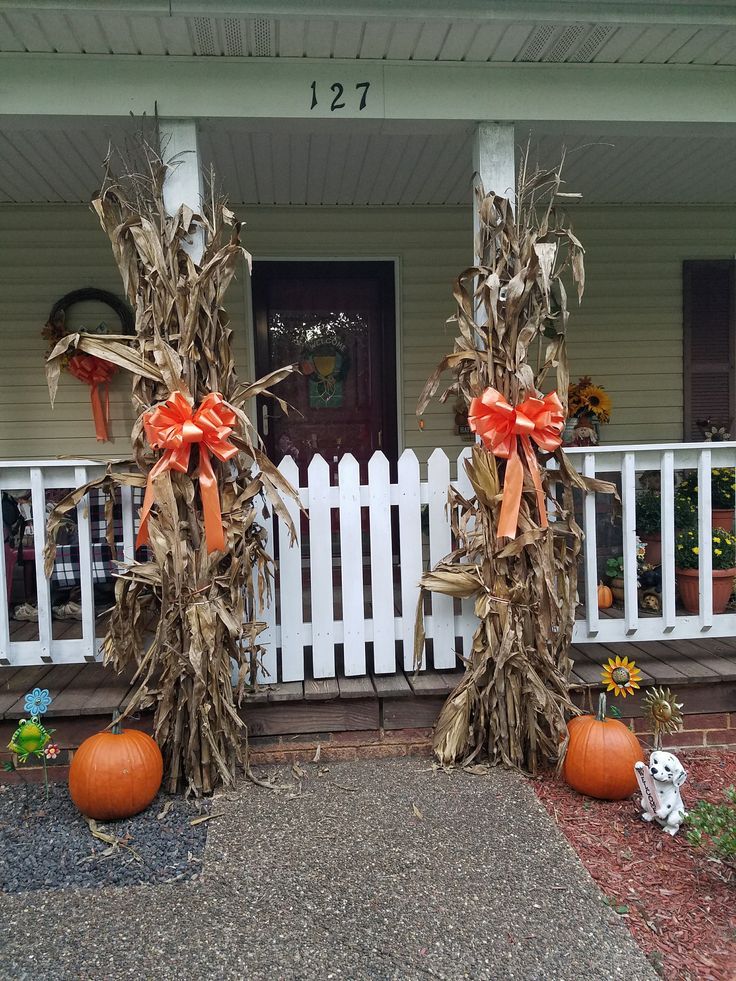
[{"x": 336, "y": 320}]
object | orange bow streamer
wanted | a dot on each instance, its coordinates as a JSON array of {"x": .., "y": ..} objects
[
  {"x": 173, "y": 426},
  {"x": 96, "y": 373},
  {"x": 501, "y": 426}
]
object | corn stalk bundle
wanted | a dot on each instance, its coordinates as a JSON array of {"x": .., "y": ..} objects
[
  {"x": 512, "y": 309},
  {"x": 204, "y": 606}
]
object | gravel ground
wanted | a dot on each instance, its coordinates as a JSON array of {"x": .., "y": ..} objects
[
  {"x": 370, "y": 870},
  {"x": 48, "y": 844}
]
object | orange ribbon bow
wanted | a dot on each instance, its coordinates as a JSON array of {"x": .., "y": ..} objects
[
  {"x": 501, "y": 426},
  {"x": 95, "y": 372},
  {"x": 173, "y": 426}
]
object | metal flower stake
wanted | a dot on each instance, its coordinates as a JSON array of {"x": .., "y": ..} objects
[
  {"x": 520, "y": 568},
  {"x": 202, "y": 579},
  {"x": 32, "y": 738}
]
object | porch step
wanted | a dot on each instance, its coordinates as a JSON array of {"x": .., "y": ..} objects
[{"x": 702, "y": 673}]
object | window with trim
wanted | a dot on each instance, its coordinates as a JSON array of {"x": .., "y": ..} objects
[{"x": 709, "y": 351}]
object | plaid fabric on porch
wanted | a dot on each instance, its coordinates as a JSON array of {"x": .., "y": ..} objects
[{"x": 66, "y": 572}]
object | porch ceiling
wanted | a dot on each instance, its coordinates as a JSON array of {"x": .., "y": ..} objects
[
  {"x": 377, "y": 162},
  {"x": 699, "y": 34}
]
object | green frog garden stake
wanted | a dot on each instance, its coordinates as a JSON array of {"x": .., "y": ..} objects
[{"x": 32, "y": 738}]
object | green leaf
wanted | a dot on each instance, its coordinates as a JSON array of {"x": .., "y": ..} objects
[{"x": 614, "y": 712}]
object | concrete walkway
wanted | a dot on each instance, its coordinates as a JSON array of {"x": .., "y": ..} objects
[{"x": 376, "y": 870}]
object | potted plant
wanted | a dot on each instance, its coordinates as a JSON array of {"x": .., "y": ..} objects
[
  {"x": 722, "y": 498},
  {"x": 687, "y": 552},
  {"x": 615, "y": 574},
  {"x": 649, "y": 524},
  {"x": 589, "y": 406},
  {"x": 615, "y": 571}
]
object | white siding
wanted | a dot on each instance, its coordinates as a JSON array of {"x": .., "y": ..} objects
[{"x": 628, "y": 334}]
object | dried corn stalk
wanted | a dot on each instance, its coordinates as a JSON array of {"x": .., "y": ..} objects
[
  {"x": 204, "y": 607},
  {"x": 511, "y": 308}
]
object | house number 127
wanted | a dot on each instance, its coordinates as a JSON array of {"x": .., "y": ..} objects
[{"x": 338, "y": 90}]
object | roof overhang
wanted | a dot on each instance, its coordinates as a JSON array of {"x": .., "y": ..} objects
[
  {"x": 562, "y": 11},
  {"x": 377, "y": 162}
]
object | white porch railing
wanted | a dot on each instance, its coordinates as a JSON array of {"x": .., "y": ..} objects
[
  {"x": 345, "y": 596},
  {"x": 624, "y": 464}
]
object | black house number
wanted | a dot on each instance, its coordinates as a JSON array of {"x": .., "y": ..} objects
[{"x": 337, "y": 99}]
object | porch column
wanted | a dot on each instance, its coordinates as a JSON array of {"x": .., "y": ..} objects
[
  {"x": 183, "y": 185},
  {"x": 494, "y": 162}
]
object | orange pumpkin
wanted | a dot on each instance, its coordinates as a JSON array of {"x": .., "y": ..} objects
[
  {"x": 115, "y": 774},
  {"x": 605, "y": 597},
  {"x": 600, "y": 756}
]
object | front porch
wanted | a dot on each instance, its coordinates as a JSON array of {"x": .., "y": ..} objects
[{"x": 339, "y": 631}]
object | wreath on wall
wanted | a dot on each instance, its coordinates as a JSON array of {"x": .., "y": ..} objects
[{"x": 93, "y": 371}]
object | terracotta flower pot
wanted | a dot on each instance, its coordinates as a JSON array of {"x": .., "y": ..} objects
[
  {"x": 653, "y": 542},
  {"x": 617, "y": 588},
  {"x": 723, "y": 518},
  {"x": 687, "y": 583}
]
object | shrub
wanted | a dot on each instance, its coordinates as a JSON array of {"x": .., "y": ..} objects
[
  {"x": 722, "y": 487},
  {"x": 687, "y": 549},
  {"x": 648, "y": 513},
  {"x": 713, "y": 827}
]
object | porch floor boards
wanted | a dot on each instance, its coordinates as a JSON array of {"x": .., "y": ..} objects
[{"x": 93, "y": 689}]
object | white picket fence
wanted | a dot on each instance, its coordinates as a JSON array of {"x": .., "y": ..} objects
[{"x": 346, "y": 593}]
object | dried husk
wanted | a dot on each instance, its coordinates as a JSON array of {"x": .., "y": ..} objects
[
  {"x": 514, "y": 698},
  {"x": 204, "y": 608}
]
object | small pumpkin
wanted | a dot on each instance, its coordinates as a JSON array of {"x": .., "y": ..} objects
[
  {"x": 601, "y": 754},
  {"x": 115, "y": 774},
  {"x": 605, "y": 597}
]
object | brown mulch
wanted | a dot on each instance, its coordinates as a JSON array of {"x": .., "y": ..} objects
[{"x": 680, "y": 907}]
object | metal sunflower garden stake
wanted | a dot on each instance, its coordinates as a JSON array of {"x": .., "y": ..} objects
[
  {"x": 204, "y": 577},
  {"x": 520, "y": 568},
  {"x": 663, "y": 713},
  {"x": 32, "y": 738}
]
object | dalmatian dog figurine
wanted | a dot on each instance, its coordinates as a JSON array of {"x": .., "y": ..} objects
[{"x": 661, "y": 801}]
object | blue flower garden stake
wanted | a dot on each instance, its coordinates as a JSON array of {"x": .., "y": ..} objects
[
  {"x": 32, "y": 738},
  {"x": 37, "y": 702}
]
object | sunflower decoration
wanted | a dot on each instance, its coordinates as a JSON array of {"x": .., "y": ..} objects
[
  {"x": 662, "y": 710},
  {"x": 621, "y": 676},
  {"x": 586, "y": 399}
]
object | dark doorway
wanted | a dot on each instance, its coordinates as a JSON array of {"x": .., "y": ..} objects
[{"x": 337, "y": 320}]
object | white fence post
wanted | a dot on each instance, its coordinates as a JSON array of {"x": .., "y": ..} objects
[
  {"x": 628, "y": 501},
  {"x": 85, "y": 567},
  {"x": 667, "y": 498},
  {"x": 43, "y": 591},
  {"x": 705, "y": 541},
  {"x": 590, "y": 548},
  {"x": 410, "y": 550},
  {"x": 6, "y": 586},
  {"x": 351, "y": 566},
  {"x": 467, "y": 618},
  {"x": 320, "y": 569},
  {"x": 440, "y": 545},
  {"x": 382, "y": 570},
  {"x": 290, "y": 586}
]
